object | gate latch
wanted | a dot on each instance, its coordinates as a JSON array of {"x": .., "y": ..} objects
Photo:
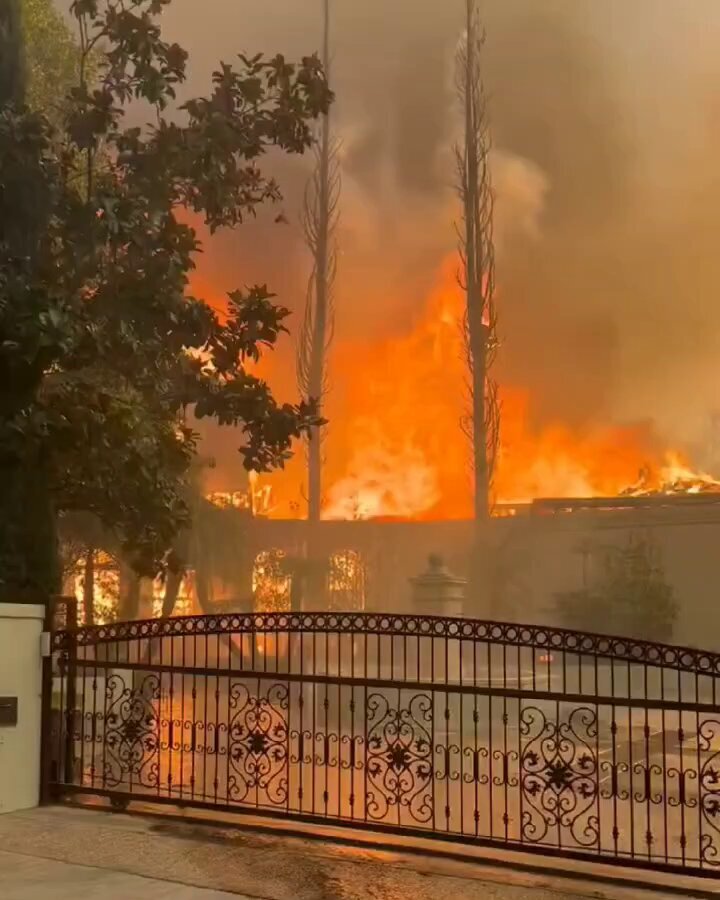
[{"x": 45, "y": 644}]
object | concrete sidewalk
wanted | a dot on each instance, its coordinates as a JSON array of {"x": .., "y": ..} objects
[
  {"x": 30, "y": 878},
  {"x": 64, "y": 852}
]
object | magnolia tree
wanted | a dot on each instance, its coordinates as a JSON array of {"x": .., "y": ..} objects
[{"x": 103, "y": 351}]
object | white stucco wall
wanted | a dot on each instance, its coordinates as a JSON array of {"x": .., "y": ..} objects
[{"x": 21, "y": 676}]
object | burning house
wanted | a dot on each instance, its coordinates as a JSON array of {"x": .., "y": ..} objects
[
  {"x": 540, "y": 550},
  {"x": 398, "y": 488}
]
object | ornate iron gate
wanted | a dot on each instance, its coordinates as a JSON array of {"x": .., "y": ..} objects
[{"x": 528, "y": 738}]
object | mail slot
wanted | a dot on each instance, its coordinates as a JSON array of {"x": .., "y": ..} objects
[{"x": 8, "y": 711}]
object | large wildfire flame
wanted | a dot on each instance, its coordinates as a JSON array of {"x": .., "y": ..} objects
[
  {"x": 395, "y": 448},
  {"x": 403, "y": 453}
]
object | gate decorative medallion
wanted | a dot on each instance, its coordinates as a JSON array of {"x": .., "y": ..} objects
[
  {"x": 399, "y": 757},
  {"x": 131, "y": 731},
  {"x": 547, "y": 741},
  {"x": 559, "y": 775},
  {"x": 258, "y": 734}
]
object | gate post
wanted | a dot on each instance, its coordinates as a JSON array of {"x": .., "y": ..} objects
[{"x": 21, "y": 626}]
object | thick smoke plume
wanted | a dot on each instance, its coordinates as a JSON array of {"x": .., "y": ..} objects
[{"x": 605, "y": 120}]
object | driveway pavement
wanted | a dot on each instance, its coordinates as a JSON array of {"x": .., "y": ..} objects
[
  {"x": 30, "y": 878},
  {"x": 64, "y": 852}
]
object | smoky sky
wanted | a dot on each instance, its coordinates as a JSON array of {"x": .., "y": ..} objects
[{"x": 610, "y": 308}]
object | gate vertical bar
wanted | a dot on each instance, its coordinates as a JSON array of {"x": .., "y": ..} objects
[{"x": 71, "y": 624}]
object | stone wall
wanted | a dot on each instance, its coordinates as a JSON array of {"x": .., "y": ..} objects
[{"x": 533, "y": 557}]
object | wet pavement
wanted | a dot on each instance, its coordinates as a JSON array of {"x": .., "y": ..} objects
[{"x": 61, "y": 852}]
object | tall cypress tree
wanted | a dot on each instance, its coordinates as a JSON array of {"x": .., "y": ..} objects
[
  {"x": 320, "y": 219},
  {"x": 477, "y": 276},
  {"x": 477, "y": 252}
]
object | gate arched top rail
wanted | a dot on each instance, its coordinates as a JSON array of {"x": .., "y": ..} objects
[{"x": 536, "y": 637}]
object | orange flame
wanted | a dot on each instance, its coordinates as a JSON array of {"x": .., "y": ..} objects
[{"x": 395, "y": 448}]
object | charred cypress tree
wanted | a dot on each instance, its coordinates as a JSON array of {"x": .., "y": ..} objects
[
  {"x": 320, "y": 222},
  {"x": 477, "y": 252},
  {"x": 320, "y": 216}
]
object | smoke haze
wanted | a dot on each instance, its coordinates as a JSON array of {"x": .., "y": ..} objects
[{"x": 605, "y": 119}]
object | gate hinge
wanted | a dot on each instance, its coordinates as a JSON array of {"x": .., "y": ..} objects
[{"x": 45, "y": 644}]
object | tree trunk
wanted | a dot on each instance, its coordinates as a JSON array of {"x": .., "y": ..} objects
[
  {"x": 480, "y": 432},
  {"x": 89, "y": 587},
  {"x": 129, "y": 594},
  {"x": 172, "y": 589},
  {"x": 202, "y": 586}
]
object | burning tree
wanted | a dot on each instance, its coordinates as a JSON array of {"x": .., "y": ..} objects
[
  {"x": 320, "y": 217},
  {"x": 477, "y": 253}
]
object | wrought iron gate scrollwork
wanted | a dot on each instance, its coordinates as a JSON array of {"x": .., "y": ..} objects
[
  {"x": 559, "y": 775},
  {"x": 258, "y": 743},
  {"x": 709, "y": 744},
  {"x": 399, "y": 757},
  {"x": 132, "y": 732}
]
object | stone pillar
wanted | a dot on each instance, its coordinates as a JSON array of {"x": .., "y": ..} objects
[
  {"x": 20, "y": 682},
  {"x": 437, "y": 592}
]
